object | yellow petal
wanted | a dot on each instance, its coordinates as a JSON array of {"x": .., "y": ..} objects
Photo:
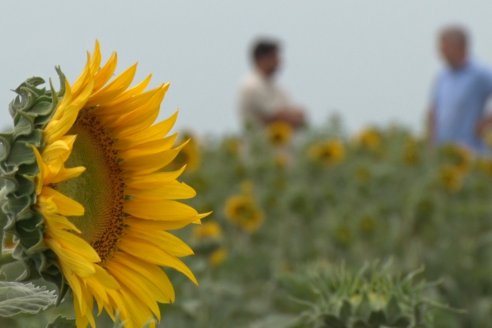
[
  {"x": 56, "y": 128},
  {"x": 59, "y": 150},
  {"x": 80, "y": 303},
  {"x": 66, "y": 174},
  {"x": 153, "y": 180},
  {"x": 154, "y": 132},
  {"x": 148, "y": 148},
  {"x": 127, "y": 96},
  {"x": 139, "y": 314},
  {"x": 151, "y": 163},
  {"x": 95, "y": 61},
  {"x": 99, "y": 284},
  {"x": 71, "y": 260},
  {"x": 73, "y": 244},
  {"x": 82, "y": 81},
  {"x": 59, "y": 222},
  {"x": 140, "y": 118},
  {"x": 155, "y": 255},
  {"x": 164, "y": 210},
  {"x": 168, "y": 190},
  {"x": 109, "y": 114},
  {"x": 66, "y": 205},
  {"x": 117, "y": 86},
  {"x": 67, "y": 99},
  {"x": 136, "y": 285},
  {"x": 154, "y": 274},
  {"x": 106, "y": 72},
  {"x": 168, "y": 242},
  {"x": 148, "y": 109},
  {"x": 163, "y": 225}
]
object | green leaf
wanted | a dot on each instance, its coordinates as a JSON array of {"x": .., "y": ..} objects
[
  {"x": 331, "y": 321},
  {"x": 419, "y": 314},
  {"x": 345, "y": 311},
  {"x": 17, "y": 298},
  {"x": 377, "y": 318},
  {"x": 274, "y": 320},
  {"x": 401, "y": 323},
  {"x": 393, "y": 309},
  {"x": 360, "y": 324},
  {"x": 61, "y": 322}
]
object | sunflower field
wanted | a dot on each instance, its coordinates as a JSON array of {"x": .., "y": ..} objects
[
  {"x": 322, "y": 229},
  {"x": 102, "y": 206}
]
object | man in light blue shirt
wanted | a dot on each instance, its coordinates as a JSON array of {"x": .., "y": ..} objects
[{"x": 460, "y": 95}]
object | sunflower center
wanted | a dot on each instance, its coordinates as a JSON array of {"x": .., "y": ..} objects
[
  {"x": 100, "y": 189},
  {"x": 245, "y": 212},
  {"x": 326, "y": 154}
]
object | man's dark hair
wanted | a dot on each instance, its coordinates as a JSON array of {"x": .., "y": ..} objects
[{"x": 262, "y": 48}]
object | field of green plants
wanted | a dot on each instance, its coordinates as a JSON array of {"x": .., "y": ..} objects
[{"x": 320, "y": 229}]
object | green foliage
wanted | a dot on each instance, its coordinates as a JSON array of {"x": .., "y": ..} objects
[
  {"x": 371, "y": 298},
  {"x": 386, "y": 200},
  {"x": 387, "y": 196},
  {"x": 61, "y": 322},
  {"x": 30, "y": 110},
  {"x": 19, "y": 298}
]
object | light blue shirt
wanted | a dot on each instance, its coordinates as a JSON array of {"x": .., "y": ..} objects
[{"x": 459, "y": 101}]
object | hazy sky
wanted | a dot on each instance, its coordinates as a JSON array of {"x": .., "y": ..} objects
[{"x": 372, "y": 61}]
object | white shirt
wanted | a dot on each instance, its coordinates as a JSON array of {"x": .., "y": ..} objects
[{"x": 259, "y": 96}]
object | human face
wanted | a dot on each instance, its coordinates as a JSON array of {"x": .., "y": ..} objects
[
  {"x": 270, "y": 64},
  {"x": 274, "y": 62},
  {"x": 453, "y": 52}
]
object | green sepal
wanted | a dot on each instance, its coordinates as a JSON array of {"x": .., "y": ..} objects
[{"x": 31, "y": 111}]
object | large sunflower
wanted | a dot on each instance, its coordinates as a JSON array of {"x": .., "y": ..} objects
[{"x": 86, "y": 194}]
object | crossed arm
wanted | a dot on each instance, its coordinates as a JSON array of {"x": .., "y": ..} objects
[{"x": 291, "y": 115}]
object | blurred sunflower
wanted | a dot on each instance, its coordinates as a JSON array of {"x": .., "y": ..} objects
[
  {"x": 451, "y": 177},
  {"x": 231, "y": 145},
  {"x": 343, "y": 235},
  {"x": 362, "y": 174},
  {"x": 411, "y": 154},
  {"x": 247, "y": 187},
  {"x": 281, "y": 161},
  {"x": 190, "y": 155},
  {"x": 208, "y": 230},
  {"x": 279, "y": 133},
  {"x": 209, "y": 235},
  {"x": 88, "y": 200},
  {"x": 327, "y": 152},
  {"x": 244, "y": 212},
  {"x": 458, "y": 156},
  {"x": 370, "y": 139},
  {"x": 485, "y": 165},
  {"x": 367, "y": 224},
  {"x": 218, "y": 256}
]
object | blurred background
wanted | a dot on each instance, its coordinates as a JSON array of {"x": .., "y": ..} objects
[
  {"x": 373, "y": 62},
  {"x": 349, "y": 222}
]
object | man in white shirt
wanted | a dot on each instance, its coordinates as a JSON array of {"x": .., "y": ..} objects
[{"x": 261, "y": 101}]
